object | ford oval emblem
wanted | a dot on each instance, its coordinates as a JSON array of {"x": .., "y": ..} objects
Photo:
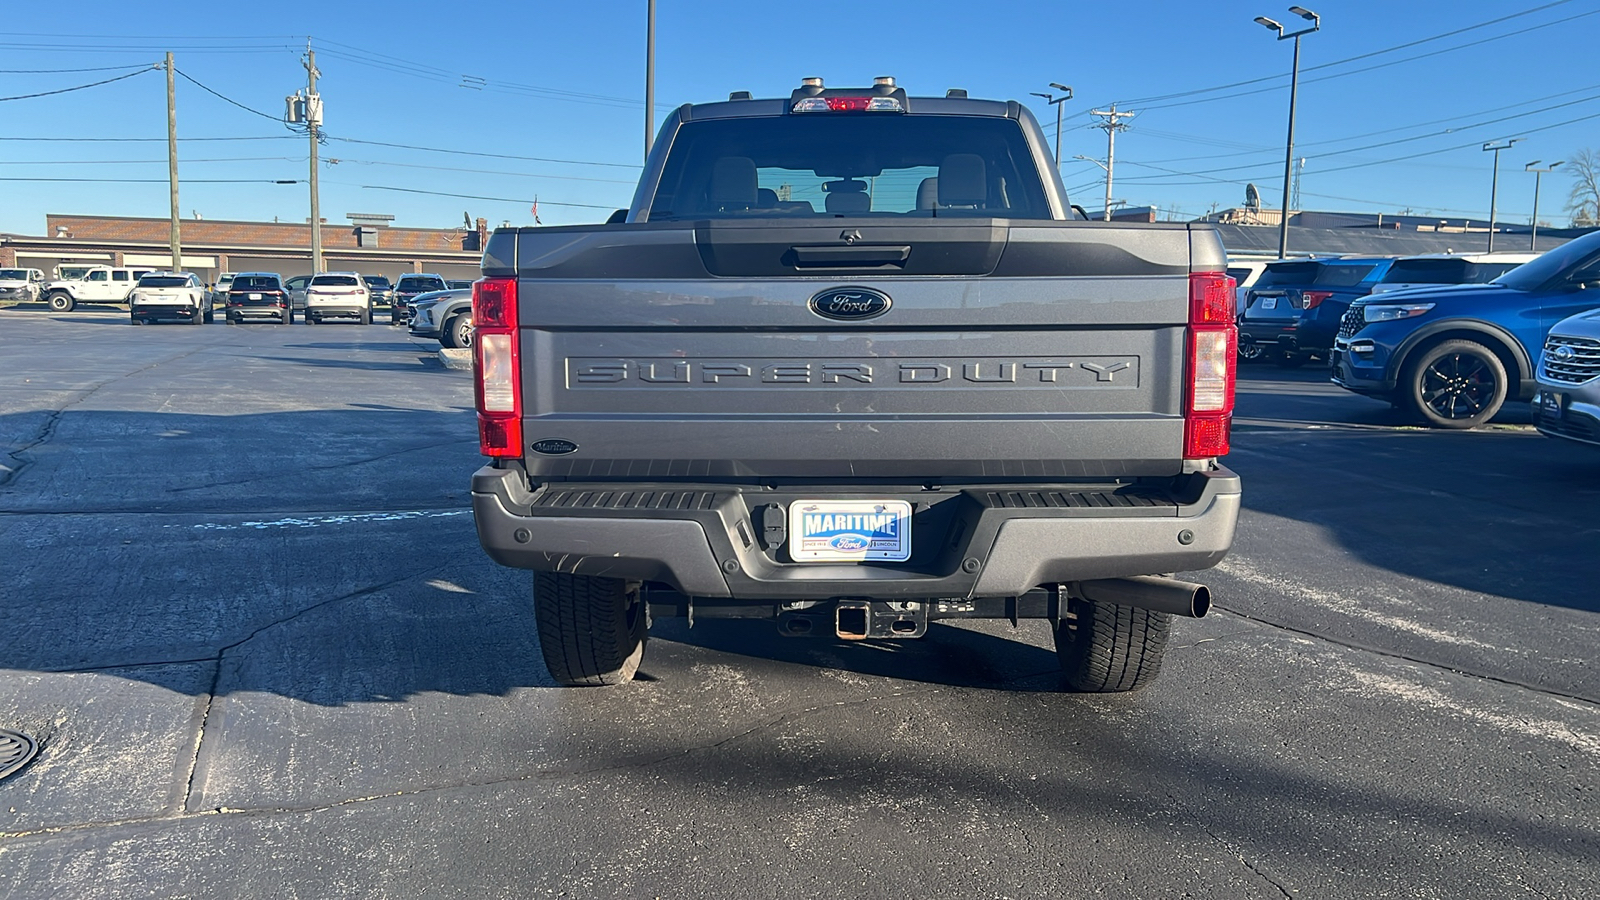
[
  {"x": 554, "y": 447},
  {"x": 850, "y": 303}
]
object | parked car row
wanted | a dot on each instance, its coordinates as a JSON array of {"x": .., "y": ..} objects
[
  {"x": 1294, "y": 308},
  {"x": 1453, "y": 355}
]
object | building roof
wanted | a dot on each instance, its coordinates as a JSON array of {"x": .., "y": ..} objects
[
  {"x": 223, "y": 233},
  {"x": 1262, "y": 240}
]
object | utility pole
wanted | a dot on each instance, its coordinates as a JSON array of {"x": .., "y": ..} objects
[
  {"x": 172, "y": 166},
  {"x": 650, "y": 78},
  {"x": 1494, "y": 183},
  {"x": 1112, "y": 125},
  {"x": 314, "y": 128},
  {"x": 1533, "y": 237}
]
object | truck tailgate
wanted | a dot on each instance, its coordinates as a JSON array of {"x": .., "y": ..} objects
[{"x": 1048, "y": 349}]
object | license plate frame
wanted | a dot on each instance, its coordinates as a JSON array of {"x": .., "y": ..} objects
[
  {"x": 850, "y": 530},
  {"x": 1269, "y": 302}
]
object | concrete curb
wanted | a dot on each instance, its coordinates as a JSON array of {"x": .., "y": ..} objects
[{"x": 455, "y": 359}]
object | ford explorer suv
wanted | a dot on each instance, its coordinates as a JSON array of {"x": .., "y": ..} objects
[
  {"x": 1293, "y": 310},
  {"x": 1452, "y": 356},
  {"x": 338, "y": 295},
  {"x": 259, "y": 297},
  {"x": 1442, "y": 269},
  {"x": 170, "y": 296},
  {"x": 848, "y": 364},
  {"x": 411, "y": 286},
  {"x": 1567, "y": 401}
]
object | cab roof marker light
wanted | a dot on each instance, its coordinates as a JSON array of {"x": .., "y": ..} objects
[
  {"x": 884, "y": 80},
  {"x": 847, "y": 104},
  {"x": 811, "y": 82}
]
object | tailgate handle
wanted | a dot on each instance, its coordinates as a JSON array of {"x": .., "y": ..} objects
[{"x": 850, "y": 257}]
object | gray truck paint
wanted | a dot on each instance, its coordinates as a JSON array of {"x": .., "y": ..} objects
[{"x": 1024, "y": 392}]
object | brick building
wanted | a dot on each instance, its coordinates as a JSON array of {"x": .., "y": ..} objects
[{"x": 212, "y": 246}]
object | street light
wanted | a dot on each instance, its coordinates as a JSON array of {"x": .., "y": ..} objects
[
  {"x": 1294, "y": 88},
  {"x": 1056, "y": 102},
  {"x": 1494, "y": 184},
  {"x": 1533, "y": 238}
]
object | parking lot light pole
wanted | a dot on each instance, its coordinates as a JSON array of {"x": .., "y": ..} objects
[
  {"x": 1056, "y": 102},
  {"x": 1533, "y": 237},
  {"x": 1494, "y": 183},
  {"x": 1294, "y": 89}
]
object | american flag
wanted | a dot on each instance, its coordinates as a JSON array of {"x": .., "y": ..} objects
[{"x": 536, "y": 212}]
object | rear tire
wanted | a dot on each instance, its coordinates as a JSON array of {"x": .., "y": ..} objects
[
  {"x": 199, "y": 317},
  {"x": 591, "y": 630},
  {"x": 366, "y": 317},
  {"x": 211, "y": 316},
  {"x": 1109, "y": 648},
  {"x": 61, "y": 301},
  {"x": 1458, "y": 384}
]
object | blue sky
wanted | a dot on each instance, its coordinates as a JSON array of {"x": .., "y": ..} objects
[{"x": 564, "y": 83}]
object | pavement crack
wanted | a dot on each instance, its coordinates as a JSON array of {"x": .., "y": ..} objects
[
  {"x": 47, "y": 431},
  {"x": 200, "y": 735},
  {"x": 1379, "y": 651},
  {"x": 1239, "y": 854},
  {"x": 298, "y": 473},
  {"x": 220, "y": 658},
  {"x": 580, "y": 771}
]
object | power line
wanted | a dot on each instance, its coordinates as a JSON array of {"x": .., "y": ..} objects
[
  {"x": 1383, "y": 65},
  {"x": 1420, "y": 137},
  {"x": 79, "y": 87},
  {"x": 573, "y": 162},
  {"x": 380, "y": 187},
  {"x": 1361, "y": 56},
  {"x": 373, "y": 162},
  {"x": 131, "y": 162},
  {"x": 213, "y": 93},
  {"x": 157, "y": 180},
  {"x": 63, "y": 71},
  {"x": 134, "y": 140}
]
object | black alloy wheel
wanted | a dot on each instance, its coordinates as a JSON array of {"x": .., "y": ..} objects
[{"x": 1458, "y": 384}]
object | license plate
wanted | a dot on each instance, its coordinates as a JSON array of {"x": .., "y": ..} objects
[
  {"x": 255, "y": 296},
  {"x": 1551, "y": 404},
  {"x": 853, "y": 530},
  {"x": 1269, "y": 302}
]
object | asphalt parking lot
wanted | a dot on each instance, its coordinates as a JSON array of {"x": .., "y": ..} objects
[{"x": 247, "y": 617}]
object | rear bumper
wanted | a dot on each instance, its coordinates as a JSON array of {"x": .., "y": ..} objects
[
  {"x": 979, "y": 541},
  {"x": 319, "y": 311},
  {"x": 163, "y": 311}
]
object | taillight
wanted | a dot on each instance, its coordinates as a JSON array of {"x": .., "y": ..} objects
[
  {"x": 496, "y": 365},
  {"x": 1213, "y": 354},
  {"x": 1313, "y": 299}
]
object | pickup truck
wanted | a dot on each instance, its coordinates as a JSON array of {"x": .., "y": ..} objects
[
  {"x": 99, "y": 284},
  {"x": 848, "y": 364}
]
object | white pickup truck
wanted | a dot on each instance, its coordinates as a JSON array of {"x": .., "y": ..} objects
[{"x": 100, "y": 284}]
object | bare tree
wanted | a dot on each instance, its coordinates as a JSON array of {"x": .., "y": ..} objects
[{"x": 1584, "y": 201}]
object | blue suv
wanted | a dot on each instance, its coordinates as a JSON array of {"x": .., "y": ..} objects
[
  {"x": 1294, "y": 309},
  {"x": 1453, "y": 355}
]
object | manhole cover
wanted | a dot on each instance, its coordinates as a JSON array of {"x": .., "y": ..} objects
[{"x": 15, "y": 751}]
